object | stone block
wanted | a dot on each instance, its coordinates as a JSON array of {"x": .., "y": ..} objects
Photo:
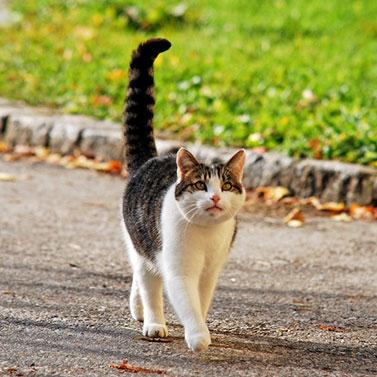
[
  {"x": 30, "y": 130},
  {"x": 103, "y": 144}
]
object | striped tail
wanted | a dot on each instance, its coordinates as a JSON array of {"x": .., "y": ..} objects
[{"x": 138, "y": 112}]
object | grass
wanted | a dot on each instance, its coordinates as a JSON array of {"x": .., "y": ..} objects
[{"x": 293, "y": 76}]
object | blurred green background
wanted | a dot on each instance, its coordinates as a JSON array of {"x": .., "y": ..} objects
[{"x": 293, "y": 76}]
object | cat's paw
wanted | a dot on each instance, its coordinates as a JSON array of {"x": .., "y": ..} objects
[
  {"x": 155, "y": 330},
  {"x": 198, "y": 341}
]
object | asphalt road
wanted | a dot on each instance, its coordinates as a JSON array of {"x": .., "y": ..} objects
[{"x": 64, "y": 283}]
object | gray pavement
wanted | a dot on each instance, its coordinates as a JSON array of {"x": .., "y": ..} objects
[{"x": 64, "y": 282}]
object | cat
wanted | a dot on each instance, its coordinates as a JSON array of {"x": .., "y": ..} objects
[{"x": 179, "y": 215}]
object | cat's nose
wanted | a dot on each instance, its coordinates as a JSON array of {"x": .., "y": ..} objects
[{"x": 215, "y": 198}]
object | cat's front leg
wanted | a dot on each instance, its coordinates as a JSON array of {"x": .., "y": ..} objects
[
  {"x": 182, "y": 285},
  {"x": 207, "y": 287}
]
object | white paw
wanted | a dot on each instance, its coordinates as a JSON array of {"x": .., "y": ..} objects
[
  {"x": 155, "y": 330},
  {"x": 199, "y": 341}
]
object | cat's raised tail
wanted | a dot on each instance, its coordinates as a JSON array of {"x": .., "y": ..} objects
[{"x": 139, "y": 107}]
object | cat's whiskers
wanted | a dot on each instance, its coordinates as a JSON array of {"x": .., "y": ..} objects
[{"x": 188, "y": 222}]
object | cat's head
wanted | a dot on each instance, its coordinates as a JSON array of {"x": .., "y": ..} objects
[{"x": 209, "y": 194}]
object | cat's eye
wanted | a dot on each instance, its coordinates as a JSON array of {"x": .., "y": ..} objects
[
  {"x": 227, "y": 186},
  {"x": 200, "y": 185}
]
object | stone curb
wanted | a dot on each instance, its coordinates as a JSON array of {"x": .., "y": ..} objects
[{"x": 329, "y": 180}]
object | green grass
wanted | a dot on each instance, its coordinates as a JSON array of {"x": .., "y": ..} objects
[{"x": 293, "y": 76}]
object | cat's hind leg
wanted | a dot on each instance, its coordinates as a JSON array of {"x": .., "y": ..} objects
[
  {"x": 146, "y": 296},
  {"x": 136, "y": 306},
  {"x": 151, "y": 292}
]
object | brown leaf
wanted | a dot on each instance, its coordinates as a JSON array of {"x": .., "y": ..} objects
[
  {"x": 23, "y": 150},
  {"x": 331, "y": 328},
  {"x": 125, "y": 367},
  {"x": 344, "y": 217},
  {"x": 363, "y": 213},
  {"x": 114, "y": 166},
  {"x": 295, "y": 218},
  {"x": 272, "y": 193},
  {"x": 4, "y": 148},
  {"x": 328, "y": 206},
  {"x": 11, "y": 370},
  {"x": 41, "y": 152}
]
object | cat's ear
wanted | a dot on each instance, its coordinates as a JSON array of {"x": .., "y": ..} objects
[
  {"x": 185, "y": 162},
  {"x": 237, "y": 163}
]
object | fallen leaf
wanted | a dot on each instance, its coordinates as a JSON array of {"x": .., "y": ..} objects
[
  {"x": 272, "y": 193},
  {"x": 53, "y": 158},
  {"x": 7, "y": 177},
  {"x": 295, "y": 223},
  {"x": 342, "y": 217},
  {"x": 295, "y": 218},
  {"x": 328, "y": 206},
  {"x": 11, "y": 293},
  {"x": 12, "y": 370},
  {"x": 362, "y": 212},
  {"x": 331, "y": 328},
  {"x": 41, "y": 152},
  {"x": 102, "y": 101},
  {"x": 23, "y": 150},
  {"x": 4, "y": 148},
  {"x": 124, "y": 366},
  {"x": 114, "y": 166}
]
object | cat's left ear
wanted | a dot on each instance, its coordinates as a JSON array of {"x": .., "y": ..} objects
[{"x": 237, "y": 163}]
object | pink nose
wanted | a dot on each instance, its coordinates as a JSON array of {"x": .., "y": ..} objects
[{"x": 215, "y": 198}]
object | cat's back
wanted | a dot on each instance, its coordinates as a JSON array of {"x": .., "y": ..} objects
[{"x": 142, "y": 203}]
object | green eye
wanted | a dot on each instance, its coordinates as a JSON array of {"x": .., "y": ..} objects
[
  {"x": 227, "y": 186},
  {"x": 200, "y": 185}
]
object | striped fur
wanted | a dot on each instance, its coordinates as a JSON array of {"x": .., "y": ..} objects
[
  {"x": 138, "y": 113},
  {"x": 204, "y": 173}
]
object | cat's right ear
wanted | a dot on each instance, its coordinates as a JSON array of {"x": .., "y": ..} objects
[{"x": 185, "y": 162}]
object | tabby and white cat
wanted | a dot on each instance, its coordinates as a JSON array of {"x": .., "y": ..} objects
[{"x": 179, "y": 215}]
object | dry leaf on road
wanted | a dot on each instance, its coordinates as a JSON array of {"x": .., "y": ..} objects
[
  {"x": 4, "y": 148},
  {"x": 328, "y": 206},
  {"x": 272, "y": 193},
  {"x": 7, "y": 177},
  {"x": 342, "y": 217},
  {"x": 295, "y": 218},
  {"x": 363, "y": 212},
  {"x": 124, "y": 366},
  {"x": 331, "y": 328}
]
